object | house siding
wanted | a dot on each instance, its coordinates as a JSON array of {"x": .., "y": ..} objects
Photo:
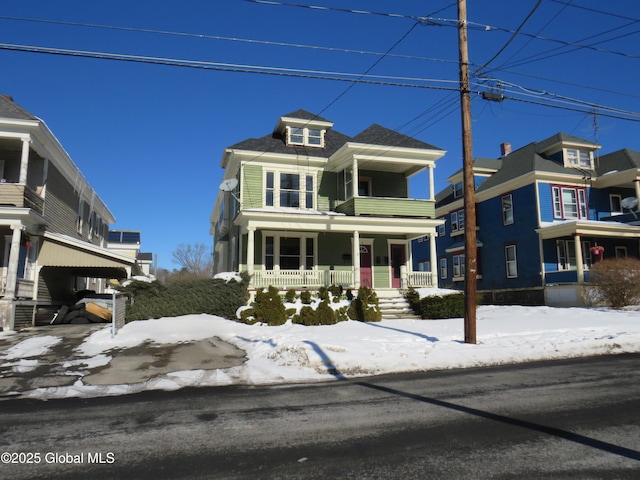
[
  {"x": 327, "y": 187},
  {"x": 252, "y": 186},
  {"x": 61, "y": 204}
]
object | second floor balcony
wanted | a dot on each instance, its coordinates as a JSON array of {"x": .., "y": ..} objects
[
  {"x": 387, "y": 207},
  {"x": 21, "y": 196}
]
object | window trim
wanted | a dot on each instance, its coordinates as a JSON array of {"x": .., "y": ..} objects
[
  {"x": 505, "y": 220},
  {"x": 443, "y": 267},
  {"x": 302, "y": 189},
  {"x": 619, "y": 211},
  {"x": 578, "y": 160},
  {"x": 305, "y": 133},
  {"x": 513, "y": 262},
  {"x": 557, "y": 200},
  {"x": 304, "y": 255}
]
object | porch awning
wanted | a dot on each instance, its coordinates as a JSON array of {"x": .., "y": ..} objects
[
  {"x": 588, "y": 228},
  {"x": 62, "y": 251}
]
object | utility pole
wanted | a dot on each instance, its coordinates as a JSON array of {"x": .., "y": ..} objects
[{"x": 470, "y": 247}]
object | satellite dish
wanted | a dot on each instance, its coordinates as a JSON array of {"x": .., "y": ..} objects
[
  {"x": 229, "y": 185},
  {"x": 629, "y": 203}
]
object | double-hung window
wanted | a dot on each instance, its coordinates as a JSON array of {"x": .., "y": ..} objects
[
  {"x": 457, "y": 221},
  {"x": 511, "y": 263},
  {"x": 578, "y": 158},
  {"x": 507, "y": 209},
  {"x": 308, "y": 137},
  {"x": 458, "y": 265},
  {"x": 569, "y": 202},
  {"x": 289, "y": 253},
  {"x": 289, "y": 190}
]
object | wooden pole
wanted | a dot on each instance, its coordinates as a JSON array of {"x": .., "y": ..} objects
[{"x": 470, "y": 247}]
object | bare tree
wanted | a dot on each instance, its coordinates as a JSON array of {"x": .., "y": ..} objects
[{"x": 196, "y": 259}]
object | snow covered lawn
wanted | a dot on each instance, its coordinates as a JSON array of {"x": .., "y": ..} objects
[{"x": 295, "y": 353}]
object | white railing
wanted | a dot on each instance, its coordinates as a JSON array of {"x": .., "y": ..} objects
[
  {"x": 301, "y": 278},
  {"x": 420, "y": 279}
]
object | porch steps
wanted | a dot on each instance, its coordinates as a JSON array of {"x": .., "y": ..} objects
[{"x": 395, "y": 307}]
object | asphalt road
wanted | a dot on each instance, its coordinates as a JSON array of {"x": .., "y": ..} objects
[{"x": 575, "y": 419}]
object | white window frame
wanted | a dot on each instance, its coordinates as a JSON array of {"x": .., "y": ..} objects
[
  {"x": 620, "y": 251},
  {"x": 458, "y": 190},
  {"x": 560, "y": 206},
  {"x": 454, "y": 221},
  {"x": 613, "y": 199},
  {"x": 276, "y": 249},
  {"x": 576, "y": 158},
  {"x": 302, "y": 189},
  {"x": 442, "y": 229},
  {"x": 507, "y": 209},
  {"x": 305, "y": 136},
  {"x": 513, "y": 262},
  {"x": 458, "y": 265},
  {"x": 443, "y": 267}
]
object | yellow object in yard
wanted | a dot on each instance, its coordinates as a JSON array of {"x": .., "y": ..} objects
[{"x": 96, "y": 309}]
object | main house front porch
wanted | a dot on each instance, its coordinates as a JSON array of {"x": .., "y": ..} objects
[{"x": 308, "y": 250}]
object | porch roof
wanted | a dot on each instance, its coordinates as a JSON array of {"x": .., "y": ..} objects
[
  {"x": 320, "y": 221},
  {"x": 63, "y": 251},
  {"x": 589, "y": 228}
]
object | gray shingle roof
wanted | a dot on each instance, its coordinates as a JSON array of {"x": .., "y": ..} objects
[
  {"x": 10, "y": 109},
  {"x": 619, "y": 160},
  {"x": 379, "y": 135}
]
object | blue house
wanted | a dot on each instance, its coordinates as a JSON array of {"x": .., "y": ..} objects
[{"x": 545, "y": 213}]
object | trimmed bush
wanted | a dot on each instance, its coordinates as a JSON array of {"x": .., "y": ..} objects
[
  {"x": 323, "y": 293},
  {"x": 290, "y": 296},
  {"x": 446, "y": 306},
  {"x": 325, "y": 315},
  {"x": 307, "y": 316},
  {"x": 617, "y": 281},
  {"x": 336, "y": 291},
  {"x": 365, "y": 307},
  {"x": 305, "y": 297},
  {"x": 269, "y": 307},
  {"x": 413, "y": 298}
]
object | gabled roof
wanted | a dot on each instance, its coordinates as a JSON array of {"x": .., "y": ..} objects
[
  {"x": 10, "y": 109},
  {"x": 620, "y": 161},
  {"x": 379, "y": 135},
  {"x": 305, "y": 115}
]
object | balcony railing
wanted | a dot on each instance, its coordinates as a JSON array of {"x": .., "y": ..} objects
[
  {"x": 388, "y": 207},
  {"x": 20, "y": 195}
]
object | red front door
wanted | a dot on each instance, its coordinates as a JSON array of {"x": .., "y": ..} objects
[
  {"x": 366, "y": 278},
  {"x": 398, "y": 259}
]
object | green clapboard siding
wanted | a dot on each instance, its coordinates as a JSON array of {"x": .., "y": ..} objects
[
  {"x": 252, "y": 186},
  {"x": 388, "y": 207}
]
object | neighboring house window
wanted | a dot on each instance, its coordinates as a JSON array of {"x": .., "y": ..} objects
[
  {"x": 567, "y": 254},
  {"x": 457, "y": 190},
  {"x": 309, "y": 137},
  {"x": 615, "y": 202},
  {"x": 289, "y": 253},
  {"x": 621, "y": 252},
  {"x": 364, "y": 187},
  {"x": 577, "y": 158},
  {"x": 80, "y": 219},
  {"x": 569, "y": 202},
  {"x": 507, "y": 209},
  {"x": 289, "y": 190},
  {"x": 458, "y": 265},
  {"x": 511, "y": 261},
  {"x": 348, "y": 183},
  {"x": 424, "y": 266},
  {"x": 457, "y": 220},
  {"x": 443, "y": 267},
  {"x": 442, "y": 230}
]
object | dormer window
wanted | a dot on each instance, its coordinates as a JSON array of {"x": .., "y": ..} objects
[
  {"x": 578, "y": 158},
  {"x": 308, "y": 137}
]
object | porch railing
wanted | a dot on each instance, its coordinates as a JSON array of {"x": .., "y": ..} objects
[
  {"x": 319, "y": 278},
  {"x": 419, "y": 279}
]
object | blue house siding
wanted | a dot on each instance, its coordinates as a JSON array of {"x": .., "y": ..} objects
[{"x": 495, "y": 237}]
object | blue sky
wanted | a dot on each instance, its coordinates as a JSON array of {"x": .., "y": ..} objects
[{"x": 149, "y": 138}]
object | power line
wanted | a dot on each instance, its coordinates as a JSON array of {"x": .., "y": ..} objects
[
  {"x": 224, "y": 38},
  {"x": 601, "y": 12},
  {"x": 513, "y": 36}
]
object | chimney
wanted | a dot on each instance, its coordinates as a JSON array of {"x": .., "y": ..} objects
[{"x": 505, "y": 149}]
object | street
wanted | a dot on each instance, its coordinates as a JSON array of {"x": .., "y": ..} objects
[{"x": 577, "y": 419}]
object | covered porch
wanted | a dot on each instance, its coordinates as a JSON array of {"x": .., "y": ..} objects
[
  {"x": 314, "y": 249},
  {"x": 569, "y": 249}
]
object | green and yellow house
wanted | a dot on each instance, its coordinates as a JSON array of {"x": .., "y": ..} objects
[{"x": 307, "y": 206}]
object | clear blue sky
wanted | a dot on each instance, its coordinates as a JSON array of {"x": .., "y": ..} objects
[{"x": 149, "y": 138}]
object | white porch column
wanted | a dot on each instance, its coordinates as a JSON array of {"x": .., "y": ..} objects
[
  {"x": 354, "y": 180},
  {"x": 579, "y": 264},
  {"x": 24, "y": 161},
  {"x": 12, "y": 269},
  {"x": 250, "y": 249},
  {"x": 433, "y": 255},
  {"x": 432, "y": 194},
  {"x": 356, "y": 259}
]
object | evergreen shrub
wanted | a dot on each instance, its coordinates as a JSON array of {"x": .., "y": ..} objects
[
  {"x": 446, "y": 306},
  {"x": 365, "y": 306},
  {"x": 269, "y": 307}
]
